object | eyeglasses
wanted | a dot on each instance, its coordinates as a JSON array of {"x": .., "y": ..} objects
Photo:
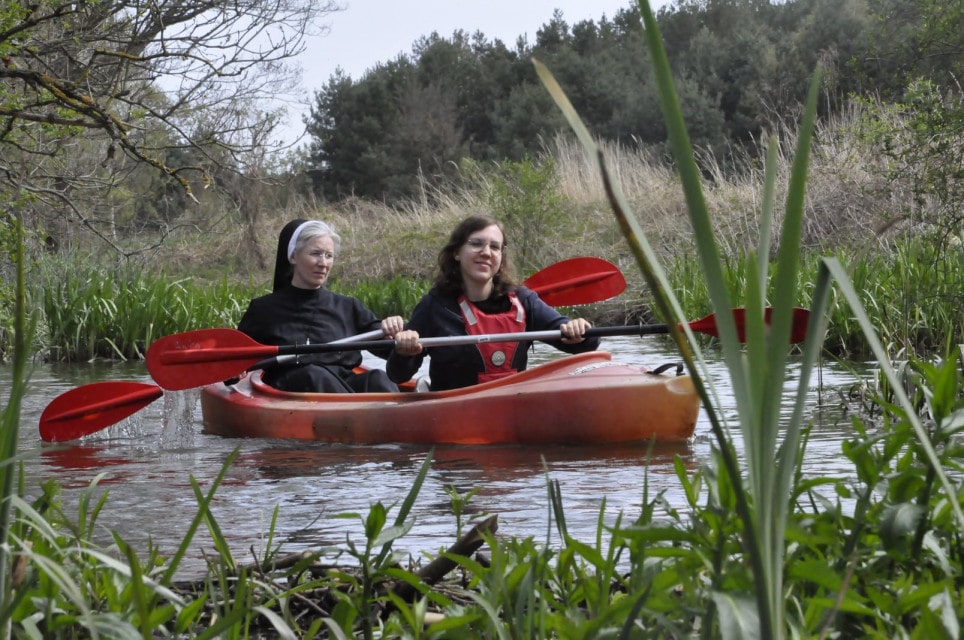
[
  {"x": 477, "y": 244},
  {"x": 322, "y": 255}
]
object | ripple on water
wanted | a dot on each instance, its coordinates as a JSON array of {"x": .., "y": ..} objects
[{"x": 147, "y": 462}]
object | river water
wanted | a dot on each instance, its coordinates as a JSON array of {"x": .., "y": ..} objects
[{"x": 147, "y": 461}]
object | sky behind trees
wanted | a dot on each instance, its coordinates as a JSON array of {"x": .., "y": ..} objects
[{"x": 368, "y": 32}]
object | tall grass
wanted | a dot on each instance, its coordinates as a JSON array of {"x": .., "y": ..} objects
[
  {"x": 847, "y": 206},
  {"x": 90, "y": 311},
  {"x": 758, "y": 372},
  {"x": 911, "y": 295},
  {"x": 397, "y": 296},
  {"x": 10, "y": 432}
]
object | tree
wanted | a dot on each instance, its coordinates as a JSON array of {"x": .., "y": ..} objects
[
  {"x": 415, "y": 116},
  {"x": 354, "y": 126},
  {"x": 93, "y": 94},
  {"x": 913, "y": 39}
]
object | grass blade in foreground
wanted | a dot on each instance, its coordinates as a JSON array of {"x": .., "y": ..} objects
[
  {"x": 10, "y": 416},
  {"x": 757, "y": 375}
]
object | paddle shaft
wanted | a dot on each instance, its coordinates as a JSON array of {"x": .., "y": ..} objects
[
  {"x": 369, "y": 335},
  {"x": 518, "y": 336},
  {"x": 227, "y": 346},
  {"x": 186, "y": 356}
]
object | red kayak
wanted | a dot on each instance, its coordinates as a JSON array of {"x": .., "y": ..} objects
[{"x": 577, "y": 400}]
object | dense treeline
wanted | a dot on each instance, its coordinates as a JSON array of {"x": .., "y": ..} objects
[
  {"x": 114, "y": 164},
  {"x": 740, "y": 66}
]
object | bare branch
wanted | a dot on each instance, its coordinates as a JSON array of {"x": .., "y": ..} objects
[{"x": 178, "y": 85}]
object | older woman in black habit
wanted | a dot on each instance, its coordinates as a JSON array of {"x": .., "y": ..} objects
[{"x": 300, "y": 310}]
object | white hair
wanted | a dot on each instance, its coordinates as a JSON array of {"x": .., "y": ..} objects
[{"x": 309, "y": 230}]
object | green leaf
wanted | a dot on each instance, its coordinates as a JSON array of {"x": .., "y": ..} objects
[
  {"x": 897, "y": 522},
  {"x": 190, "y": 614},
  {"x": 738, "y": 616},
  {"x": 377, "y": 516},
  {"x": 281, "y": 628},
  {"x": 817, "y": 572},
  {"x": 390, "y": 534}
]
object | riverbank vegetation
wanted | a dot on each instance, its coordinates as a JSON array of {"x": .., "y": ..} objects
[
  {"x": 756, "y": 551},
  {"x": 96, "y": 312},
  {"x": 200, "y": 198},
  {"x": 908, "y": 270}
]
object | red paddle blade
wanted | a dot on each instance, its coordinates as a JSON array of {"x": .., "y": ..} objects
[
  {"x": 92, "y": 407},
  {"x": 196, "y": 358},
  {"x": 577, "y": 281},
  {"x": 798, "y": 328}
]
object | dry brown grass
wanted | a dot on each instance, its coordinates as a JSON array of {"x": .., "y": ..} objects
[{"x": 380, "y": 242}]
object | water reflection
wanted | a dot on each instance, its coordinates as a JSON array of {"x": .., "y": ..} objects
[
  {"x": 284, "y": 460},
  {"x": 79, "y": 464},
  {"x": 147, "y": 463}
]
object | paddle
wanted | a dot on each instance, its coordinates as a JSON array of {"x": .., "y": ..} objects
[
  {"x": 92, "y": 407},
  {"x": 197, "y": 358},
  {"x": 577, "y": 281},
  {"x": 89, "y": 408},
  {"x": 86, "y": 409}
]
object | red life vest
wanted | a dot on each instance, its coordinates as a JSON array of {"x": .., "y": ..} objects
[{"x": 496, "y": 356}]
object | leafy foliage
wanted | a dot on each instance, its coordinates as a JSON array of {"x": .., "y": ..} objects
[
  {"x": 911, "y": 39},
  {"x": 922, "y": 139},
  {"x": 741, "y": 65},
  {"x": 525, "y": 197}
]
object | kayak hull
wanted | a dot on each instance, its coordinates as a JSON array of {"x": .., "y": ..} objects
[{"x": 576, "y": 400}]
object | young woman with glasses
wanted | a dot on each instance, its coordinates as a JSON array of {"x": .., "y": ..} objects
[{"x": 474, "y": 294}]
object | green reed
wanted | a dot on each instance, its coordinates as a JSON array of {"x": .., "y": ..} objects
[
  {"x": 912, "y": 294},
  {"x": 757, "y": 371},
  {"x": 91, "y": 311},
  {"x": 10, "y": 481},
  {"x": 394, "y": 297}
]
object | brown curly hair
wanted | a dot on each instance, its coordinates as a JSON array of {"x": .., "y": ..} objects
[{"x": 449, "y": 277}]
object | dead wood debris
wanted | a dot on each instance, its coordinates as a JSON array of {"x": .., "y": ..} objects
[{"x": 282, "y": 574}]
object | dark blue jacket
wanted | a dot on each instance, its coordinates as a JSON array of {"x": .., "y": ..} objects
[{"x": 454, "y": 367}]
